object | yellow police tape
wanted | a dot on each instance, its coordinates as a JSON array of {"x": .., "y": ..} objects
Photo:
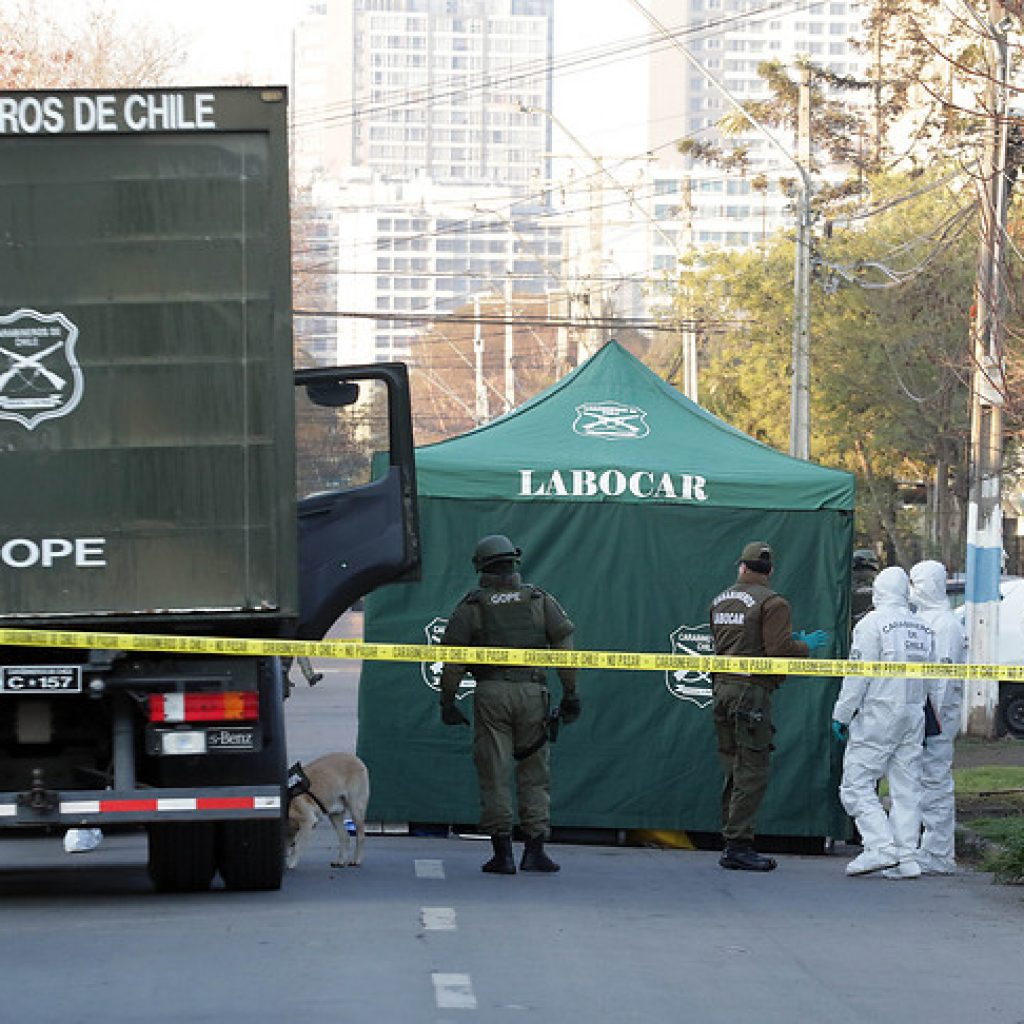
[{"x": 541, "y": 658}]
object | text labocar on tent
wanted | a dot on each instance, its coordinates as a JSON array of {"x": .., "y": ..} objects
[{"x": 631, "y": 504}]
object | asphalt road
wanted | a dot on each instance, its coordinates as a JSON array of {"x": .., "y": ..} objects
[{"x": 419, "y": 934}]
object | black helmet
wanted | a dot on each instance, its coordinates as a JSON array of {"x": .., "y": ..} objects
[{"x": 494, "y": 548}]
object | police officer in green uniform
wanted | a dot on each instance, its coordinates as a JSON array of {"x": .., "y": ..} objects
[
  {"x": 511, "y": 705},
  {"x": 749, "y": 618}
]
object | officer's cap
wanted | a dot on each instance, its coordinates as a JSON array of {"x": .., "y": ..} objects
[{"x": 757, "y": 551}]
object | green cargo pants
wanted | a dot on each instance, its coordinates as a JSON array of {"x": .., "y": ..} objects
[
  {"x": 509, "y": 715},
  {"x": 743, "y": 727}
]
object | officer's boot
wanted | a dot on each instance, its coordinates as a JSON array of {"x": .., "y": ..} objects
[
  {"x": 502, "y": 863},
  {"x": 740, "y": 855},
  {"x": 534, "y": 857}
]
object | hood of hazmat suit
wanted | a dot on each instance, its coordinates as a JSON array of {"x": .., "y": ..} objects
[
  {"x": 928, "y": 592},
  {"x": 891, "y": 587},
  {"x": 886, "y": 706}
]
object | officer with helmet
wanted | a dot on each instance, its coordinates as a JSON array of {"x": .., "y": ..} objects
[{"x": 511, "y": 704}]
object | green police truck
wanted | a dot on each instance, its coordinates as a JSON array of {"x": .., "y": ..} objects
[{"x": 148, "y": 414}]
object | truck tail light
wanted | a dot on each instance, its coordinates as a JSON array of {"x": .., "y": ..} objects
[{"x": 233, "y": 706}]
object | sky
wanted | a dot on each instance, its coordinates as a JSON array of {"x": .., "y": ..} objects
[{"x": 603, "y": 106}]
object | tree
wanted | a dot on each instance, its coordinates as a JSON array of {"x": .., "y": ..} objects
[
  {"x": 82, "y": 45},
  {"x": 898, "y": 265},
  {"x": 890, "y": 363},
  {"x": 896, "y": 361}
]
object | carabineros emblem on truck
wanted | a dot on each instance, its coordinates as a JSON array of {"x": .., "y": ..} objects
[{"x": 40, "y": 378}]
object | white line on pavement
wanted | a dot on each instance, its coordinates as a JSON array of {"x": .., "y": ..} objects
[
  {"x": 438, "y": 919},
  {"x": 454, "y": 992},
  {"x": 429, "y": 869}
]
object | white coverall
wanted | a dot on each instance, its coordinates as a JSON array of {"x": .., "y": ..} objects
[
  {"x": 938, "y": 812},
  {"x": 886, "y": 720}
]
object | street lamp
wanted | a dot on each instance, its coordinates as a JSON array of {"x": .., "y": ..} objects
[{"x": 800, "y": 412}]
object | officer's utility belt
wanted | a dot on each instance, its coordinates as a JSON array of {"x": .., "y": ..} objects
[
  {"x": 514, "y": 675},
  {"x": 768, "y": 682}
]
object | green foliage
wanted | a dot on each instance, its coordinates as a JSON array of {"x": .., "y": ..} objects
[
  {"x": 988, "y": 779},
  {"x": 902, "y": 311},
  {"x": 890, "y": 364},
  {"x": 1007, "y": 863}
]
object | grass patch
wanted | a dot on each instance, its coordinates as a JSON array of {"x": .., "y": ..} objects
[
  {"x": 1007, "y": 863},
  {"x": 990, "y": 779},
  {"x": 994, "y": 781},
  {"x": 1000, "y": 830}
]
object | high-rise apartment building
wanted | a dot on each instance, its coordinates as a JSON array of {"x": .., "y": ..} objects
[
  {"x": 701, "y": 205},
  {"x": 422, "y": 125},
  {"x": 434, "y": 87},
  {"x": 402, "y": 252}
]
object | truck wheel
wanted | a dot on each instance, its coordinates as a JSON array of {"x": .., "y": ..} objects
[
  {"x": 181, "y": 856},
  {"x": 250, "y": 854},
  {"x": 1013, "y": 714}
]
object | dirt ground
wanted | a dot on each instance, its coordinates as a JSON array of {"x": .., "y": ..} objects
[{"x": 975, "y": 753}]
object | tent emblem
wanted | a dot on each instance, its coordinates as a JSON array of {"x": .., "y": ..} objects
[
  {"x": 431, "y": 670},
  {"x": 40, "y": 378},
  {"x": 682, "y": 683},
  {"x": 611, "y": 421}
]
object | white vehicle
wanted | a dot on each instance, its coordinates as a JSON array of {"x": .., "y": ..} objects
[{"x": 1009, "y": 644}]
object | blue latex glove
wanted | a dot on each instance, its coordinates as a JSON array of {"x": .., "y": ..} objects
[
  {"x": 840, "y": 732},
  {"x": 814, "y": 640}
]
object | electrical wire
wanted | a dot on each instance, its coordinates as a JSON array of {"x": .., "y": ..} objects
[{"x": 337, "y": 114}]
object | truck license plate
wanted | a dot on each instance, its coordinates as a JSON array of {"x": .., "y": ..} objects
[{"x": 41, "y": 679}]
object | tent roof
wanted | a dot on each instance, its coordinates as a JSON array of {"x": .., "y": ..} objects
[{"x": 612, "y": 430}]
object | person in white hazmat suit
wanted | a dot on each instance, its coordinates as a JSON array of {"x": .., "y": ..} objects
[
  {"x": 883, "y": 720},
  {"x": 936, "y": 855}
]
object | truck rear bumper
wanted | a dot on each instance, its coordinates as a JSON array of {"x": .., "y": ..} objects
[{"x": 109, "y": 807}]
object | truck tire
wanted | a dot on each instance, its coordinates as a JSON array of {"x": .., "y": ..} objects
[
  {"x": 250, "y": 854},
  {"x": 182, "y": 855}
]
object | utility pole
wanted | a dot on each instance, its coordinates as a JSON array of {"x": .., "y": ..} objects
[
  {"x": 689, "y": 360},
  {"x": 510, "y": 353},
  {"x": 800, "y": 383},
  {"x": 984, "y": 514},
  {"x": 596, "y": 303},
  {"x": 482, "y": 414}
]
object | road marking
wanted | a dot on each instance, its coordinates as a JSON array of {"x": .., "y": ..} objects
[
  {"x": 438, "y": 919},
  {"x": 454, "y": 992},
  {"x": 429, "y": 869}
]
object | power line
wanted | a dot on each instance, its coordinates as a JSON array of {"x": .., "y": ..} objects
[
  {"x": 592, "y": 322},
  {"x": 337, "y": 114}
]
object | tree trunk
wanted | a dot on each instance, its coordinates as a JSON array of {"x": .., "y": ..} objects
[
  {"x": 881, "y": 507},
  {"x": 942, "y": 510}
]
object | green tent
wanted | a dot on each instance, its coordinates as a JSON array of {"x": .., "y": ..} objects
[{"x": 631, "y": 505}]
